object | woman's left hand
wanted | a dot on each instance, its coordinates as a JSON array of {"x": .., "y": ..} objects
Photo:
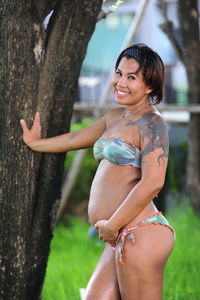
[{"x": 106, "y": 233}]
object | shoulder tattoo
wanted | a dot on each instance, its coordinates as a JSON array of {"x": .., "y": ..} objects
[{"x": 154, "y": 134}]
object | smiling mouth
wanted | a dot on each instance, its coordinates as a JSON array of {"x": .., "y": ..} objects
[{"x": 121, "y": 93}]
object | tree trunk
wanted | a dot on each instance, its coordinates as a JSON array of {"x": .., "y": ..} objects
[
  {"x": 188, "y": 52},
  {"x": 38, "y": 71},
  {"x": 189, "y": 25}
]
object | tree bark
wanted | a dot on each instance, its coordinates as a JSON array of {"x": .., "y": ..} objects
[
  {"x": 189, "y": 55},
  {"x": 38, "y": 71}
]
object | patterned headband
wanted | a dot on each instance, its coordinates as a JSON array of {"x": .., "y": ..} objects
[{"x": 133, "y": 52}]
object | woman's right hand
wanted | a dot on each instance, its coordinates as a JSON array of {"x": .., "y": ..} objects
[
  {"x": 34, "y": 133},
  {"x": 83, "y": 138}
]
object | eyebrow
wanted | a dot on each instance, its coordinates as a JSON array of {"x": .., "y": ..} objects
[{"x": 135, "y": 73}]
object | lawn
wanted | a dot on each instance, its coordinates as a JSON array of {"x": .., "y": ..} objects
[{"x": 74, "y": 255}]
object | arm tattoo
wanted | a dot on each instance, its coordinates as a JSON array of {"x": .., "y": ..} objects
[{"x": 154, "y": 135}]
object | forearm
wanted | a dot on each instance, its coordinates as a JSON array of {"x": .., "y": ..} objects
[
  {"x": 84, "y": 138},
  {"x": 135, "y": 202},
  {"x": 60, "y": 143}
]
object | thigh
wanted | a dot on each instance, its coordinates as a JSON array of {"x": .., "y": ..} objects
[
  {"x": 103, "y": 284},
  {"x": 141, "y": 277}
]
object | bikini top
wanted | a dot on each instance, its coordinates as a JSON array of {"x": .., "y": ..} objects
[{"x": 117, "y": 151}]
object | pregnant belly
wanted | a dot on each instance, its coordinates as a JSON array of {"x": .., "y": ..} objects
[
  {"x": 108, "y": 191},
  {"x": 102, "y": 206}
]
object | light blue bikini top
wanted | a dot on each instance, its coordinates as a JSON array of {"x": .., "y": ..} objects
[{"x": 117, "y": 151}]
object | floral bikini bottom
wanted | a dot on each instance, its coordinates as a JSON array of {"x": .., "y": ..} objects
[{"x": 127, "y": 233}]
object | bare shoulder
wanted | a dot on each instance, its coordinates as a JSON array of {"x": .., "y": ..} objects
[
  {"x": 153, "y": 126},
  {"x": 149, "y": 122},
  {"x": 114, "y": 114},
  {"x": 153, "y": 133},
  {"x": 152, "y": 121}
]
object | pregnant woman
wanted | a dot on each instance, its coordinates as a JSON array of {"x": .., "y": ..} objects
[{"x": 131, "y": 143}]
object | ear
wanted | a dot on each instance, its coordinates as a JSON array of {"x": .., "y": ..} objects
[{"x": 149, "y": 90}]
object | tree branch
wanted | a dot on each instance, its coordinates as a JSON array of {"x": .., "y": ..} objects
[
  {"x": 111, "y": 9},
  {"x": 103, "y": 15},
  {"x": 167, "y": 28},
  {"x": 189, "y": 23},
  {"x": 189, "y": 26}
]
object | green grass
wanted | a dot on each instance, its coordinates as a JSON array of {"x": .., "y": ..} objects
[
  {"x": 182, "y": 272},
  {"x": 74, "y": 256},
  {"x": 72, "y": 259}
]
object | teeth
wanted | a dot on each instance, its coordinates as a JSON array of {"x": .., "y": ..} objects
[{"x": 121, "y": 93}]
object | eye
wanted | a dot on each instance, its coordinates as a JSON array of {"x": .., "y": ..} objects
[
  {"x": 118, "y": 73},
  {"x": 131, "y": 77}
]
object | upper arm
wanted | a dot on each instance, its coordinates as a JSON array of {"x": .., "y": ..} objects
[{"x": 154, "y": 148}]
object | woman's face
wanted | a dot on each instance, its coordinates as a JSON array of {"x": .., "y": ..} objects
[{"x": 129, "y": 87}]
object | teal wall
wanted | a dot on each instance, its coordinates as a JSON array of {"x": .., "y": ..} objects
[{"x": 105, "y": 44}]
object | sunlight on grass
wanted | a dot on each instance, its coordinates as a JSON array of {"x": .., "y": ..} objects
[{"x": 74, "y": 256}]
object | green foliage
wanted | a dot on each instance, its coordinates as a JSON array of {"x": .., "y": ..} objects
[
  {"x": 74, "y": 256},
  {"x": 172, "y": 179},
  {"x": 176, "y": 171},
  {"x": 80, "y": 125},
  {"x": 83, "y": 181}
]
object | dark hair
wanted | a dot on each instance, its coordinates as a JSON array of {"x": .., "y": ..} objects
[{"x": 152, "y": 68}]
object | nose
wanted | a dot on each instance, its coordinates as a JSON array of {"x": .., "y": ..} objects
[{"x": 122, "y": 82}]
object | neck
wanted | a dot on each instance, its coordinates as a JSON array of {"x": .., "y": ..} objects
[{"x": 132, "y": 111}]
